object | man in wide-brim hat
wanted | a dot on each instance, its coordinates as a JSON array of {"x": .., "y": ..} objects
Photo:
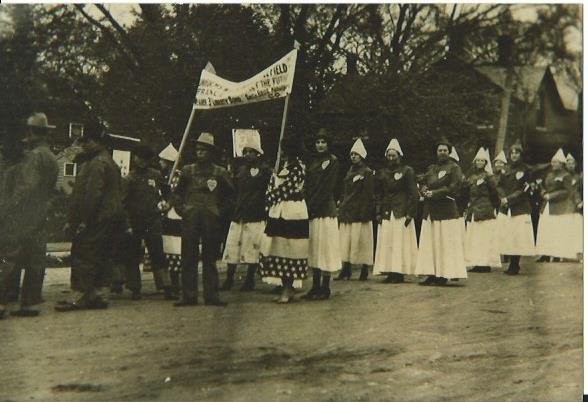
[
  {"x": 37, "y": 181},
  {"x": 199, "y": 198},
  {"x": 95, "y": 215}
]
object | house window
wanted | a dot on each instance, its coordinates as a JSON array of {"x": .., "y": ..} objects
[
  {"x": 540, "y": 119},
  {"x": 70, "y": 169}
]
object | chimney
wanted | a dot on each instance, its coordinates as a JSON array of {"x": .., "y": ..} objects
[
  {"x": 351, "y": 64},
  {"x": 456, "y": 42},
  {"x": 505, "y": 50}
]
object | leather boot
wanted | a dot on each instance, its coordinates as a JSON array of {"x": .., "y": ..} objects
[
  {"x": 345, "y": 273},
  {"x": 325, "y": 290},
  {"x": 249, "y": 283},
  {"x": 364, "y": 273},
  {"x": 316, "y": 285}
]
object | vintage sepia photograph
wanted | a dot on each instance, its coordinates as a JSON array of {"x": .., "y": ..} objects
[{"x": 291, "y": 202}]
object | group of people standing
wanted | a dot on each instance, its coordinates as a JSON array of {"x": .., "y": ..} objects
[{"x": 287, "y": 224}]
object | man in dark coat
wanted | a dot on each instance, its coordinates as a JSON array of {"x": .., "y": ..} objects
[
  {"x": 10, "y": 174},
  {"x": 143, "y": 189},
  {"x": 28, "y": 206},
  {"x": 95, "y": 213},
  {"x": 199, "y": 198}
]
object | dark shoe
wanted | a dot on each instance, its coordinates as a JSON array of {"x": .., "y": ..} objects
[
  {"x": 312, "y": 294},
  {"x": 116, "y": 289},
  {"x": 2, "y": 314},
  {"x": 394, "y": 278},
  {"x": 227, "y": 285},
  {"x": 543, "y": 258},
  {"x": 247, "y": 287},
  {"x": 217, "y": 303},
  {"x": 186, "y": 302},
  {"x": 169, "y": 293},
  {"x": 342, "y": 277},
  {"x": 484, "y": 269},
  {"x": 25, "y": 313},
  {"x": 364, "y": 274},
  {"x": 136, "y": 295},
  {"x": 429, "y": 281},
  {"x": 323, "y": 294},
  {"x": 68, "y": 306},
  {"x": 97, "y": 304},
  {"x": 441, "y": 281},
  {"x": 474, "y": 269}
]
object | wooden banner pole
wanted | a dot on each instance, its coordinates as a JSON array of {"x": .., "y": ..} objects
[
  {"x": 284, "y": 118},
  {"x": 182, "y": 144}
]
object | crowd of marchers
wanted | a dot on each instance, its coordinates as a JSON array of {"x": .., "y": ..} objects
[{"x": 286, "y": 223}]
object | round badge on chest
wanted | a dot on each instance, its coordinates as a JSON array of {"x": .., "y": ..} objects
[
  {"x": 357, "y": 177},
  {"x": 441, "y": 174},
  {"x": 397, "y": 175},
  {"x": 254, "y": 172},
  {"x": 479, "y": 181},
  {"x": 325, "y": 164},
  {"x": 519, "y": 175},
  {"x": 151, "y": 182}
]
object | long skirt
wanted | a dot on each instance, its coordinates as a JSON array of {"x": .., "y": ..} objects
[
  {"x": 555, "y": 235},
  {"x": 441, "y": 249},
  {"x": 578, "y": 232},
  {"x": 396, "y": 248},
  {"x": 323, "y": 243},
  {"x": 481, "y": 244},
  {"x": 516, "y": 235},
  {"x": 284, "y": 245},
  {"x": 356, "y": 241},
  {"x": 243, "y": 243}
]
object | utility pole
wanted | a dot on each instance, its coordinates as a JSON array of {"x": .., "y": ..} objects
[{"x": 505, "y": 45}]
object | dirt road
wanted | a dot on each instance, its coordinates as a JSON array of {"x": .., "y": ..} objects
[{"x": 492, "y": 338}]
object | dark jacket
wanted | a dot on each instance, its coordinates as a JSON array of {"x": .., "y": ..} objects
[
  {"x": 444, "y": 180},
  {"x": 203, "y": 188},
  {"x": 251, "y": 182},
  {"x": 357, "y": 203},
  {"x": 513, "y": 184},
  {"x": 578, "y": 187},
  {"x": 558, "y": 184},
  {"x": 35, "y": 186},
  {"x": 483, "y": 196},
  {"x": 142, "y": 191},
  {"x": 12, "y": 212},
  {"x": 396, "y": 192},
  {"x": 97, "y": 192},
  {"x": 321, "y": 177}
]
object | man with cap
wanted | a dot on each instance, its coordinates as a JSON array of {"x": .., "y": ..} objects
[
  {"x": 199, "y": 197},
  {"x": 248, "y": 219},
  {"x": 12, "y": 213},
  {"x": 96, "y": 211},
  {"x": 356, "y": 211},
  {"x": 142, "y": 196},
  {"x": 324, "y": 256},
  {"x": 33, "y": 193}
]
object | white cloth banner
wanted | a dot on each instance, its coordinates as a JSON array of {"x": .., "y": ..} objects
[{"x": 274, "y": 82}]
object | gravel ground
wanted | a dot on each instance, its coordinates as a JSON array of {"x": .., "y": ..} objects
[{"x": 490, "y": 338}]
